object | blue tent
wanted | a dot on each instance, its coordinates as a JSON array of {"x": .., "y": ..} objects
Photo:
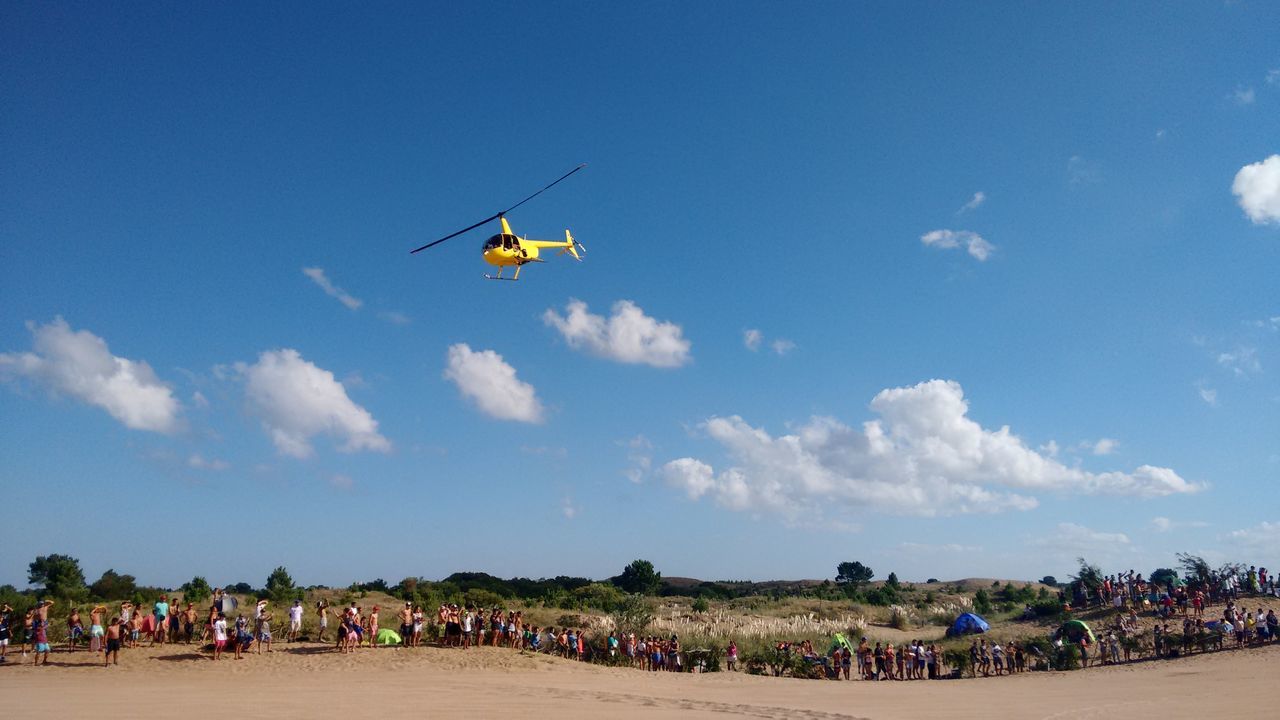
[{"x": 967, "y": 624}]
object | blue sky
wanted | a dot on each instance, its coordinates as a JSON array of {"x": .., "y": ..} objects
[{"x": 217, "y": 355}]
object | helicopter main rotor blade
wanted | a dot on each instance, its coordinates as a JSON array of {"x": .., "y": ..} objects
[
  {"x": 562, "y": 177},
  {"x": 500, "y": 214},
  {"x": 454, "y": 235}
]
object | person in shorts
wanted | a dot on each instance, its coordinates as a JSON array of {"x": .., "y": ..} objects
[
  {"x": 295, "y": 621},
  {"x": 114, "y": 632},
  {"x": 6, "y": 614}
]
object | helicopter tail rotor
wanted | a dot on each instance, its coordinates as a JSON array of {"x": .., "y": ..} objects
[{"x": 572, "y": 246}]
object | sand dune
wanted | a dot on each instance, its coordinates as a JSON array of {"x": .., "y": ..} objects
[{"x": 305, "y": 681}]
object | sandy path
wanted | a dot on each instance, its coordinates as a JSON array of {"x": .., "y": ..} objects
[{"x": 306, "y": 682}]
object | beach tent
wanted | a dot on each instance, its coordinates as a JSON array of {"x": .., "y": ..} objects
[
  {"x": 387, "y": 636},
  {"x": 839, "y": 641},
  {"x": 967, "y": 624},
  {"x": 1076, "y": 629}
]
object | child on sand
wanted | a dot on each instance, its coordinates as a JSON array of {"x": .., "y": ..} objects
[
  {"x": 114, "y": 632},
  {"x": 220, "y": 636}
]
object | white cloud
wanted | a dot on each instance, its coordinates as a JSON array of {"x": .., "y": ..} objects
[
  {"x": 1081, "y": 171},
  {"x": 973, "y": 204},
  {"x": 1050, "y": 448},
  {"x": 199, "y": 400},
  {"x": 915, "y": 548},
  {"x": 1160, "y": 133},
  {"x": 199, "y": 463},
  {"x": 568, "y": 509},
  {"x": 950, "y": 239},
  {"x": 1257, "y": 189},
  {"x": 1069, "y": 541},
  {"x": 1264, "y": 536},
  {"x": 79, "y": 364},
  {"x": 752, "y": 339},
  {"x": 1105, "y": 446},
  {"x": 1273, "y": 77},
  {"x": 1209, "y": 395},
  {"x": 923, "y": 456},
  {"x": 394, "y": 317},
  {"x": 1164, "y": 524},
  {"x": 317, "y": 275},
  {"x": 782, "y": 346},
  {"x": 488, "y": 381},
  {"x": 1244, "y": 95},
  {"x": 639, "y": 458},
  {"x": 297, "y": 400},
  {"x": 628, "y": 335},
  {"x": 341, "y": 482},
  {"x": 1242, "y": 362}
]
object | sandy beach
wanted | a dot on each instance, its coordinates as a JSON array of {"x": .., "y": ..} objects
[{"x": 309, "y": 680}]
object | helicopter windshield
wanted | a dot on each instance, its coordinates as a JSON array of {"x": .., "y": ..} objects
[{"x": 493, "y": 242}]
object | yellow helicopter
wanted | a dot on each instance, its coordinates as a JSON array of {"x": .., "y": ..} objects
[{"x": 506, "y": 250}]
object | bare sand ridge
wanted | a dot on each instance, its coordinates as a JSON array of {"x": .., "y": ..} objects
[{"x": 309, "y": 680}]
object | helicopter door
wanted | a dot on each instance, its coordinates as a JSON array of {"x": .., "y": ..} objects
[{"x": 506, "y": 242}]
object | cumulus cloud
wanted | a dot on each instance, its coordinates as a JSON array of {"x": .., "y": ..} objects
[
  {"x": 296, "y": 400},
  {"x": 1257, "y": 189},
  {"x": 951, "y": 239},
  {"x": 752, "y": 339},
  {"x": 628, "y": 335},
  {"x": 78, "y": 364},
  {"x": 973, "y": 204},
  {"x": 319, "y": 278},
  {"x": 922, "y": 456},
  {"x": 488, "y": 381}
]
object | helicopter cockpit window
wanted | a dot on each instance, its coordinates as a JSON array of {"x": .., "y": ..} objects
[
  {"x": 492, "y": 242},
  {"x": 506, "y": 242}
]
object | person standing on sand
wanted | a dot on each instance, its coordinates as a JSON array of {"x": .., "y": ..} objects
[
  {"x": 406, "y": 624},
  {"x": 114, "y": 632},
  {"x": 6, "y": 616},
  {"x": 96, "y": 631},
  {"x": 160, "y": 613},
  {"x": 264, "y": 630},
  {"x": 373, "y": 627},
  {"x": 220, "y": 636},
  {"x": 40, "y": 637},
  {"x": 75, "y": 629},
  {"x": 322, "y": 611},
  {"x": 295, "y": 621},
  {"x": 189, "y": 622}
]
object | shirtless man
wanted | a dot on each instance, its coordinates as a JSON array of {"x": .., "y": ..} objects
[
  {"x": 406, "y": 624},
  {"x": 40, "y": 633},
  {"x": 322, "y": 610},
  {"x": 189, "y": 622},
  {"x": 75, "y": 629},
  {"x": 96, "y": 631},
  {"x": 114, "y": 631},
  {"x": 373, "y": 627}
]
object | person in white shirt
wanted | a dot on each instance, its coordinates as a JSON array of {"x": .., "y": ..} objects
[
  {"x": 219, "y": 635},
  {"x": 295, "y": 620}
]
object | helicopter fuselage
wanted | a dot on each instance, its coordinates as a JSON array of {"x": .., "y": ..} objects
[{"x": 504, "y": 250}]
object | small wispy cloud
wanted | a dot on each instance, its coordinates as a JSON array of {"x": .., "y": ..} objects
[
  {"x": 782, "y": 346},
  {"x": 1209, "y": 395},
  {"x": 1082, "y": 171},
  {"x": 394, "y": 317},
  {"x": 1242, "y": 362},
  {"x": 1164, "y": 524},
  {"x": 1273, "y": 77},
  {"x": 319, "y": 278},
  {"x": 199, "y": 463},
  {"x": 1244, "y": 95},
  {"x": 1105, "y": 446},
  {"x": 751, "y": 339},
  {"x": 973, "y": 204},
  {"x": 974, "y": 243},
  {"x": 341, "y": 482},
  {"x": 568, "y": 509}
]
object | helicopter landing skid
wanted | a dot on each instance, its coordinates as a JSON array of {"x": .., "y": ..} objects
[{"x": 497, "y": 277}]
